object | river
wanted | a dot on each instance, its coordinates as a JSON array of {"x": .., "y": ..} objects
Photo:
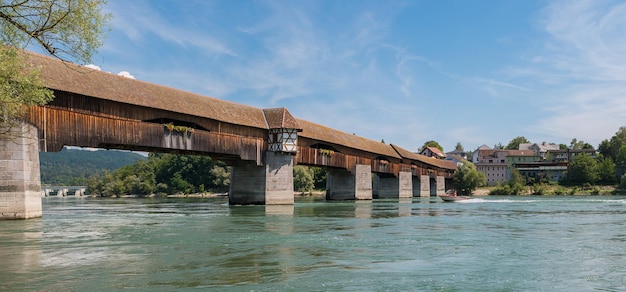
[{"x": 574, "y": 243}]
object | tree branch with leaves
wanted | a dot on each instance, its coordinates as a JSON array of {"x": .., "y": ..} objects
[{"x": 70, "y": 30}]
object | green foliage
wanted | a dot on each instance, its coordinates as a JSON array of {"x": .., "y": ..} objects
[
  {"x": 575, "y": 144},
  {"x": 303, "y": 178},
  {"x": 68, "y": 30},
  {"x": 514, "y": 143},
  {"x": 180, "y": 129},
  {"x": 467, "y": 178},
  {"x": 319, "y": 178},
  {"x": 20, "y": 87},
  {"x": 166, "y": 173},
  {"x": 327, "y": 152},
  {"x": 606, "y": 170},
  {"x": 614, "y": 148},
  {"x": 221, "y": 178},
  {"x": 458, "y": 147},
  {"x": 583, "y": 170},
  {"x": 515, "y": 185},
  {"x": 73, "y": 167}
]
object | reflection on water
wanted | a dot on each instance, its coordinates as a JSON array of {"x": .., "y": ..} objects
[{"x": 566, "y": 243}]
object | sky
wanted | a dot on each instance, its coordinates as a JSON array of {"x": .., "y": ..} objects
[{"x": 406, "y": 72}]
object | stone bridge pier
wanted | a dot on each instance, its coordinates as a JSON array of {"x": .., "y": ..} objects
[
  {"x": 268, "y": 184},
  {"x": 20, "y": 181},
  {"x": 390, "y": 186},
  {"x": 342, "y": 184}
]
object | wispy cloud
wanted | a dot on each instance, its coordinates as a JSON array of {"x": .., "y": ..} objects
[
  {"x": 584, "y": 56},
  {"x": 137, "y": 19}
]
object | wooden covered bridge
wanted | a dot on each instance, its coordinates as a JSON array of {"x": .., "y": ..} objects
[{"x": 98, "y": 109}]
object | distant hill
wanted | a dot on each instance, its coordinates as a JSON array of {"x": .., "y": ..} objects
[{"x": 74, "y": 166}]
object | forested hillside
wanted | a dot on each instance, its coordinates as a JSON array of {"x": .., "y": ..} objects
[{"x": 74, "y": 166}]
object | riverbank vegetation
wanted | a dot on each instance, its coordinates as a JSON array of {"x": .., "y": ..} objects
[
  {"x": 168, "y": 174},
  {"x": 163, "y": 174},
  {"x": 74, "y": 167},
  {"x": 601, "y": 174}
]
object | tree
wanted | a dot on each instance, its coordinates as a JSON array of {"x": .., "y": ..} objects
[
  {"x": 575, "y": 144},
  {"x": 584, "y": 169},
  {"x": 70, "y": 30},
  {"x": 498, "y": 146},
  {"x": 458, "y": 147},
  {"x": 606, "y": 170},
  {"x": 514, "y": 144},
  {"x": 513, "y": 187},
  {"x": 221, "y": 179},
  {"x": 613, "y": 148},
  {"x": 430, "y": 143},
  {"x": 303, "y": 178},
  {"x": 319, "y": 177},
  {"x": 467, "y": 178},
  {"x": 167, "y": 173}
]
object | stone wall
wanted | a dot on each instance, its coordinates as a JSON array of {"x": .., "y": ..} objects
[
  {"x": 20, "y": 180},
  {"x": 345, "y": 185},
  {"x": 269, "y": 184},
  {"x": 389, "y": 186}
]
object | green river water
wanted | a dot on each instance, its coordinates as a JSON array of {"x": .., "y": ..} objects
[{"x": 486, "y": 244}]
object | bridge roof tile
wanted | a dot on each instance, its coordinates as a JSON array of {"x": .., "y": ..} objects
[
  {"x": 280, "y": 118},
  {"x": 323, "y": 133},
  {"x": 70, "y": 77}
]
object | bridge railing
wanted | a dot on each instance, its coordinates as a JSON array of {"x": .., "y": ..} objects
[{"x": 327, "y": 158}]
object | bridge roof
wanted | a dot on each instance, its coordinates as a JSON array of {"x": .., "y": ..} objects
[
  {"x": 280, "y": 118},
  {"x": 406, "y": 154},
  {"x": 73, "y": 78},
  {"x": 328, "y": 135}
]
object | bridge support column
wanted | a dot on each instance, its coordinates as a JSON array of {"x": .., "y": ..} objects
[
  {"x": 20, "y": 180},
  {"x": 345, "y": 185},
  {"x": 441, "y": 185},
  {"x": 449, "y": 183},
  {"x": 424, "y": 190},
  {"x": 269, "y": 184},
  {"x": 390, "y": 186}
]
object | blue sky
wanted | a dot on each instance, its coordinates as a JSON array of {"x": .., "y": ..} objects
[{"x": 474, "y": 72}]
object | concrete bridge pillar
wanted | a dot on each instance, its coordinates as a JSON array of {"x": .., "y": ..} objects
[
  {"x": 79, "y": 192},
  {"x": 449, "y": 183},
  {"x": 62, "y": 192},
  {"x": 424, "y": 190},
  {"x": 390, "y": 186},
  {"x": 441, "y": 185},
  {"x": 269, "y": 184},
  {"x": 20, "y": 182},
  {"x": 406, "y": 184},
  {"x": 345, "y": 185}
]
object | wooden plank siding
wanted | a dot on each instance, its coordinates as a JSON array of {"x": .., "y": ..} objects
[
  {"x": 319, "y": 157},
  {"x": 59, "y": 127},
  {"x": 113, "y": 109}
]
